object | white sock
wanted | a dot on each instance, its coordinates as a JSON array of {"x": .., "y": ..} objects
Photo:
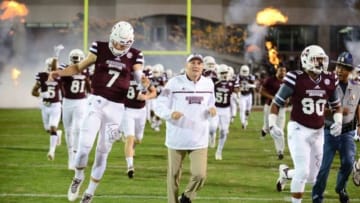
[
  {"x": 92, "y": 187},
  {"x": 79, "y": 174},
  {"x": 53, "y": 142},
  {"x": 130, "y": 161},
  {"x": 358, "y": 164},
  {"x": 294, "y": 200}
]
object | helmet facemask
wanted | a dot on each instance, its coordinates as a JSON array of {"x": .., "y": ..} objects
[
  {"x": 76, "y": 55},
  {"x": 209, "y": 63},
  {"x": 314, "y": 59},
  {"x": 244, "y": 71},
  {"x": 121, "y": 38},
  {"x": 223, "y": 72}
]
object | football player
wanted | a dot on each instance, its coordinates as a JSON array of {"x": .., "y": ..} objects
[
  {"x": 223, "y": 91},
  {"x": 49, "y": 92},
  {"x": 210, "y": 67},
  {"x": 115, "y": 61},
  {"x": 268, "y": 90},
  {"x": 310, "y": 90},
  {"x": 135, "y": 118},
  {"x": 158, "y": 80},
  {"x": 234, "y": 104},
  {"x": 74, "y": 89},
  {"x": 247, "y": 86}
]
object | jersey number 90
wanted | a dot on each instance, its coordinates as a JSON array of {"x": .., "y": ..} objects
[{"x": 311, "y": 106}]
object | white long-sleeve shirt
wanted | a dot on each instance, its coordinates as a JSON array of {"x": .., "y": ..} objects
[{"x": 191, "y": 131}]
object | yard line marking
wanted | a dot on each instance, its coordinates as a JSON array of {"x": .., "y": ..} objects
[{"x": 162, "y": 197}]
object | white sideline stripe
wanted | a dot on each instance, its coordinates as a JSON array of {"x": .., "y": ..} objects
[{"x": 162, "y": 197}]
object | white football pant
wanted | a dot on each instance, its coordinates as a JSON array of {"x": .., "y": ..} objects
[
  {"x": 73, "y": 115},
  {"x": 103, "y": 117},
  {"x": 134, "y": 122},
  {"x": 51, "y": 114},
  {"x": 245, "y": 105},
  {"x": 224, "y": 115},
  {"x": 280, "y": 122},
  {"x": 306, "y": 150}
]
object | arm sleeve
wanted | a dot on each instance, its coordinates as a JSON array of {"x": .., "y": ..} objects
[
  {"x": 334, "y": 100},
  {"x": 283, "y": 93}
]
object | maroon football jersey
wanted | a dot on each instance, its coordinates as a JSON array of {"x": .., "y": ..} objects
[
  {"x": 223, "y": 90},
  {"x": 310, "y": 97},
  {"x": 244, "y": 81},
  {"x": 52, "y": 87},
  {"x": 134, "y": 91},
  {"x": 112, "y": 74},
  {"x": 74, "y": 87},
  {"x": 159, "y": 83},
  {"x": 271, "y": 85}
]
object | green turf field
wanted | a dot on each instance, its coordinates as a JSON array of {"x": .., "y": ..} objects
[{"x": 247, "y": 173}]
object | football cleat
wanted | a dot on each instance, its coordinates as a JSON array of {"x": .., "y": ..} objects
[
  {"x": 87, "y": 198},
  {"x": 131, "y": 172},
  {"x": 244, "y": 125},
  {"x": 263, "y": 133},
  {"x": 184, "y": 199},
  {"x": 281, "y": 181},
  {"x": 74, "y": 189},
  {"x": 356, "y": 175},
  {"x": 218, "y": 156},
  {"x": 280, "y": 155},
  {"x": 51, "y": 156}
]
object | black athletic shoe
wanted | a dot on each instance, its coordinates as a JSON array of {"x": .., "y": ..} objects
[
  {"x": 130, "y": 172},
  {"x": 184, "y": 199},
  {"x": 344, "y": 197}
]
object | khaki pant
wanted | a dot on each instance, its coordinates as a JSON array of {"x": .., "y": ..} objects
[{"x": 198, "y": 166}]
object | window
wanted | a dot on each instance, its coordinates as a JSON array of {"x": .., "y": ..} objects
[{"x": 293, "y": 38}]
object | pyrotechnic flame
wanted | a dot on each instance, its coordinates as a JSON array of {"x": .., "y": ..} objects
[
  {"x": 15, "y": 73},
  {"x": 12, "y": 9},
  {"x": 272, "y": 54},
  {"x": 270, "y": 16}
]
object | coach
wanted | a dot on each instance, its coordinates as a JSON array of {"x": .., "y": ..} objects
[{"x": 186, "y": 103}]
